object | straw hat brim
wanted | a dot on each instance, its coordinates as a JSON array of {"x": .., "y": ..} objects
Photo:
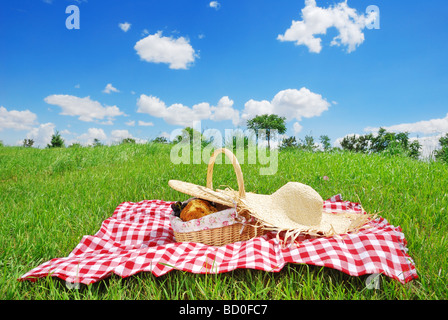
[
  {"x": 266, "y": 208},
  {"x": 275, "y": 216},
  {"x": 201, "y": 192}
]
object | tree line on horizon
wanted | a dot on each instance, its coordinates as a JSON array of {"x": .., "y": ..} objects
[{"x": 383, "y": 142}]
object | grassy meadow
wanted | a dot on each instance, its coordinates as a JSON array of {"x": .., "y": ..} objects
[{"x": 50, "y": 198}]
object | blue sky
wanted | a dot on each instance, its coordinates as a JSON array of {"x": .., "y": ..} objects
[{"x": 324, "y": 65}]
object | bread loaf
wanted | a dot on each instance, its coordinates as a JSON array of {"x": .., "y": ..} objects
[{"x": 196, "y": 209}]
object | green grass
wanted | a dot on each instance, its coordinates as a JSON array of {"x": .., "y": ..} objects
[{"x": 50, "y": 198}]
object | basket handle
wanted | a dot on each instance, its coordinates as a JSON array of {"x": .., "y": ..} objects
[{"x": 236, "y": 167}]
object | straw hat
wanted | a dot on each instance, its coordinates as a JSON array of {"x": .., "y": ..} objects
[{"x": 295, "y": 208}]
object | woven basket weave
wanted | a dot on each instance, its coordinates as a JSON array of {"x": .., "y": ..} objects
[{"x": 228, "y": 234}]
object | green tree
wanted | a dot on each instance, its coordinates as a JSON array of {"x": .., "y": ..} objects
[
  {"x": 357, "y": 144},
  {"x": 189, "y": 135},
  {"x": 267, "y": 122},
  {"x": 308, "y": 143},
  {"x": 442, "y": 154},
  {"x": 128, "y": 140},
  {"x": 75, "y": 145},
  {"x": 28, "y": 143},
  {"x": 325, "y": 140},
  {"x": 290, "y": 142},
  {"x": 349, "y": 142},
  {"x": 160, "y": 140},
  {"x": 414, "y": 149},
  {"x": 384, "y": 142},
  {"x": 364, "y": 143},
  {"x": 56, "y": 141},
  {"x": 97, "y": 142}
]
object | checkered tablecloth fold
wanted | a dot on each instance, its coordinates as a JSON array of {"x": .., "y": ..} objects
[{"x": 138, "y": 238}]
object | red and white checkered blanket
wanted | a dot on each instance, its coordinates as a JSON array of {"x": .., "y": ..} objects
[{"x": 138, "y": 237}]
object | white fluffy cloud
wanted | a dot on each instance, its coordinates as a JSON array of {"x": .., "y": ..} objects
[
  {"x": 110, "y": 88},
  {"x": 317, "y": 20},
  {"x": 42, "y": 134},
  {"x": 118, "y": 135},
  {"x": 125, "y": 26},
  {"x": 431, "y": 126},
  {"x": 297, "y": 127},
  {"x": 17, "y": 120},
  {"x": 289, "y": 103},
  {"x": 214, "y": 4},
  {"x": 429, "y": 144},
  {"x": 178, "y": 114},
  {"x": 131, "y": 123},
  {"x": 225, "y": 111},
  {"x": 145, "y": 124},
  {"x": 92, "y": 134},
  {"x": 177, "y": 53},
  {"x": 86, "y": 109}
]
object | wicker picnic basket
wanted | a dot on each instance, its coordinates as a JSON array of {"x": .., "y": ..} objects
[{"x": 248, "y": 229}]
